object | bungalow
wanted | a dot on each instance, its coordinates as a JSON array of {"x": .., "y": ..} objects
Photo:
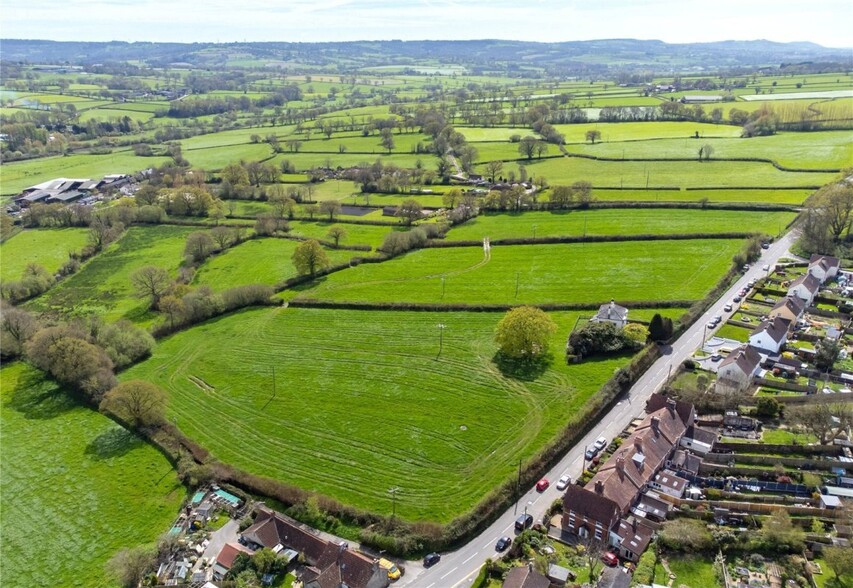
[
  {"x": 790, "y": 308},
  {"x": 805, "y": 287},
  {"x": 525, "y": 577},
  {"x": 770, "y": 335},
  {"x": 737, "y": 369},
  {"x": 611, "y": 313},
  {"x": 225, "y": 559},
  {"x": 824, "y": 267}
]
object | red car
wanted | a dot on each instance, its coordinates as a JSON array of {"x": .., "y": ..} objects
[
  {"x": 542, "y": 485},
  {"x": 610, "y": 559}
]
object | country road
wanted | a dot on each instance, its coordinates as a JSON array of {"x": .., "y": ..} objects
[{"x": 459, "y": 568}]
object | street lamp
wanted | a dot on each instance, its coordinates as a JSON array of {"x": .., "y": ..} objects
[{"x": 441, "y": 327}]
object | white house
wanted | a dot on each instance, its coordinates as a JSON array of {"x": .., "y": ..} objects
[
  {"x": 698, "y": 439},
  {"x": 611, "y": 313},
  {"x": 805, "y": 287},
  {"x": 737, "y": 369},
  {"x": 823, "y": 267},
  {"x": 770, "y": 336}
]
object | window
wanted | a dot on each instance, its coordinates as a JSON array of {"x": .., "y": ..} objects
[{"x": 598, "y": 534}]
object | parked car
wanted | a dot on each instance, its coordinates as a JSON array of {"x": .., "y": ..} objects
[
  {"x": 393, "y": 571},
  {"x": 766, "y": 267},
  {"x": 503, "y": 543},
  {"x": 737, "y": 298},
  {"x": 591, "y": 450},
  {"x": 431, "y": 559},
  {"x": 751, "y": 284},
  {"x": 610, "y": 559},
  {"x": 728, "y": 307},
  {"x": 542, "y": 485},
  {"x": 765, "y": 245},
  {"x": 600, "y": 443},
  {"x": 716, "y": 357},
  {"x": 745, "y": 266},
  {"x": 564, "y": 482},
  {"x": 711, "y": 324},
  {"x": 523, "y": 521},
  {"x": 717, "y": 319}
]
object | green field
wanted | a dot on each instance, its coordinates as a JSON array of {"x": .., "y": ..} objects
[
  {"x": 778, "y": 196},
  {"x": 46, "y": 247},
  {"x": 372, "y": 235},
  {"x": 259, "y": 261},
  {"x": 363, "y": 402},
  {"x": 589, "y": 272},
  {"x": 102, "y": 286},
  {"x": 624, "y": 221},
  {"x": 76, "y": 487},
  {"x": 627, "y": 131}
]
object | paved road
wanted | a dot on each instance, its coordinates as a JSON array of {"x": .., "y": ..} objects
[{"x": 460, "y": 567}]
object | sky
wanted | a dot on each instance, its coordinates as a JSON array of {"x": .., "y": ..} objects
[{"x": 826, "y": 22}]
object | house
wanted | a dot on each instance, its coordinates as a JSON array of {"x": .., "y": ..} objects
[
  {"x": 770, "y": 336},
  {"x": 611, "y": 313},
  {"x": 698, "y": 439},
  {"x": 790, "y": 308},
  {"x": 225, "y": 559},
  {"x": 684, "y": 461},
  {"x": 805, "y": 287},
  {"x": 635, "y": 536},
  {"x": 525, "y": 577},
  {"x": 737, "y": 370},
  {"x": 651, "y": 507},
  {"x": 823, "y": 267},
  {"x": 588, "y": 512},
  {"x": 669, "y": 483}
]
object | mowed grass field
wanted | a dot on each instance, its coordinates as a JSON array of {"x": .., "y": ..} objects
[
  {"x": 623, "y": 221},
  {"x": 102, "y": 286},
  {"x": 76, "y": 486},
  {"x": 363, "y": 403},
  {"x": 778, "y": 196},
  {"x": 574, "y": 273},
  {"x": 46, "y": 247},
  {"x": 259, "y": 261}
]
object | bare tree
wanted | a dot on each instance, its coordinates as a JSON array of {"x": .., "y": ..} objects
[{"x": 150, "y": 281}]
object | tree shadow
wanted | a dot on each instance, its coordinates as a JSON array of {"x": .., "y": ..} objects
[
  {"x": 522, "y": 369},
  {"x": 113, "y": 443},
  {"x": 36, "y": 397}
]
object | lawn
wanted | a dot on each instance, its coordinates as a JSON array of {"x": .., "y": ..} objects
[
  {"x": 102, "y": 287},
  {"x": 538, "y": 274},
  {"x": 76, "y": 486},
  {"x": 364, "y": 403},
  {"x": 734, "y": 332},
  {"x": 690, "y": 571},
  {"x": 46, "y": 247},
  {"x": 259, "y": 261},
  {"x": 618, "y": 222}
]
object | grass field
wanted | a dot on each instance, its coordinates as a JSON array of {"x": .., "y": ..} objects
[
  {"x": 76, "y": 487},
  {"x": 590, "y": 272},
  {"x": 778, "y": 196},
  {"x": 102, "y": 286},
  {"x": 46, "y": 247},
  {"x": 372, "y": 235},
  {"x": 627, "y": 131},
  {"x": 690, "y": 571},
  {"x": 364, "y": 404},
  {"x": 618, "y": 222},
  {"x": 259, "y": 261}
]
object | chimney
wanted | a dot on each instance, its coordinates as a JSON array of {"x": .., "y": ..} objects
[
  {"x": 670, "y": 406},
  {"x": 656, "y": 424},
  {"x": 599, "y": 487},
  {"x": 620, "y": 464},
  {"x": 634, "y": 524}
]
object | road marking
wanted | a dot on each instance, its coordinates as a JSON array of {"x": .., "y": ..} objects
[
  {"x": 469, "y": 559},
  {"x": 486, "y": 545},
  {"x": 431, "y": 585},
  {"x": 448, "y": 573}
]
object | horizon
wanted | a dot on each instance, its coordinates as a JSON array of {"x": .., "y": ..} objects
[{"x": 328, "y": 21}]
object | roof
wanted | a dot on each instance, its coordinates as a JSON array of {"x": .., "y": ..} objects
[
  {"x": 558, "y": 572},
  {"x": 830, "y": 500},
  {"x": 635, "y": 535},
  {"x": 686, "y": 461},
  {"x": 746, "y": 358},
  {"x": 795, "y": 304},
  {"x": 229, "y": 553},
  {"x": 701, "y": 435},
  {"x": 272, "y": 528},
  {"x": 826, "y": 262},
  {"x": 590, "y": 505},
  {"x": 777, "y": 329},
  {"x": 808, "y": 281},
  {"x": 659, "y": 401},
  {"x": 668, "y": 479},
  {"x": 650, "y": 504},
  {"x": 612, "y": 312},
  {"x": 525, "y": 577}
]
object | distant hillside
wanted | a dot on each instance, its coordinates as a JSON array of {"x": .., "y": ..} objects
[{"x": 575, "y": 57}]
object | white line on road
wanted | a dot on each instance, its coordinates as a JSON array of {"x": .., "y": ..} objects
[
  {"x": 469, "y": 559},
  {"x": 448, "y": 573},
  {"x": 486, "y": 545}
]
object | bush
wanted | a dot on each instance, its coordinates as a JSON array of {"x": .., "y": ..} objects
[{"x": 600, "y": 337}]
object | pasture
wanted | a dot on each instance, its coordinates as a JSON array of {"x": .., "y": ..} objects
[
  {"x": 364, "y": 403},
  {"x": 46, "y": 247},
  {"x": 624, "y": 221},
  {"x": 102, "y": 286},
  {"x": 538, "y": 274},
  {"x": 76, "y": 486},
  {"x": 777, "y": 196}
]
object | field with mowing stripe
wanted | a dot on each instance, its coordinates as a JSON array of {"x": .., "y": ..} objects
[
  {"x": 779, "y": 196},
  {"x": 640, "y": 130},
  {"x": 618, "y": 222},
  {"x": 363, "y": 402},
  {"x": 102, "y": 286},
  {"x": 76, "y": 486},
  {"x": 372, "y": 235},
  {"x": 259, "y": 261},
  {"x": 589, "y": 272},
  {"x": 46, "y": 247}
]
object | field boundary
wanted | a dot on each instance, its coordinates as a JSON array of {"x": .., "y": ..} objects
[
  {"x": 461, "y": 307},
  {"x": 440, "y": 243}
]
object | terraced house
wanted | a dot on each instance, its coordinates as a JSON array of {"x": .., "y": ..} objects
[{"x": 612, "y": 506}]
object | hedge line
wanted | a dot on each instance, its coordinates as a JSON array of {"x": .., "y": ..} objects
[
  {"x": 753, "y": 188},
  {"x": 324, "y": 243},
  {"x": 462, "y": 307},
  {"x": 435, "y": 243}
]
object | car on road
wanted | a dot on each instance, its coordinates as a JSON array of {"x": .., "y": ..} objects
[
  {"x": 728, "y": 307},
  {"x": 591, "y": 450},
  {"x": 564, "y": 482},
  {"x": 711, "y": 325},
  {"x": 765, "y": 268},
  {"x": 737, "y": 298},
  {"x": 392, "y": 569},
  {"x": 751, "y": 284},
  {"x": 717, "y": 319},
  {"x": 765, "y": 245},
  {"x": 523, "y": 521},
  {"x": 600, "y": 443},
  {"x": 610, "y": 559},
  {"x": 745, "y": 266},
  {"x": 503, "y": 543},
  {"x": 431, "y": 559},
  {"x": 542, "y": 485}
]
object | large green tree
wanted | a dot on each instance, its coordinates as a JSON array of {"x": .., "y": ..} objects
[
  {"x": 524, "y": 332},
  {"x": 139, "y": 402},
  {"x": 309, "y": 257}
]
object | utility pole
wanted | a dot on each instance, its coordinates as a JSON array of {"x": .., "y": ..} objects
[
  {"x": 393, "y": 492},
  {"x": 516, "y": 284},
  {"x": 273, "y": 389},
  {"x": 441, "y": 327}
]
